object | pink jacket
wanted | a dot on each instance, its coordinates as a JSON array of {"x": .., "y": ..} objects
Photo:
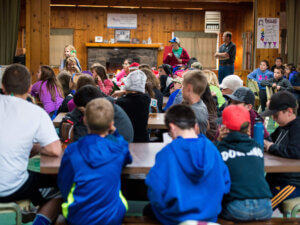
[
  {"x": 107, "y": 87},
  {"x": 121, "y": 74}
]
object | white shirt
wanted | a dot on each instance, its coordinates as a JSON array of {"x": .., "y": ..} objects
[{"x": 21, "y": 124}]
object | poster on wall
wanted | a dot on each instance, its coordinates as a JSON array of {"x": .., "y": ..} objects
[
  {"x": 116, "y": 20},
  {"x": 267, "y": 33}
]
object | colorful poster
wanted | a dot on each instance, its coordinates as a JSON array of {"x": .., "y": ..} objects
[
  {"x": 116, "y": 20},
  {"x": 267, "y": 33}
]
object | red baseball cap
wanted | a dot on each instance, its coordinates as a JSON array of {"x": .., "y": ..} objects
[{"x": 234, "y": 116}]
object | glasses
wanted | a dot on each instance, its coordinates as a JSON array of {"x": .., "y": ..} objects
[{"x": 126, "y": 64}]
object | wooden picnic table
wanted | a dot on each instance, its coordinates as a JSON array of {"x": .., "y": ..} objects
[
  {"x": 58, "y": 119},
  {"x": 143, "y": 158},
  {"x": 156, "y": 121}
]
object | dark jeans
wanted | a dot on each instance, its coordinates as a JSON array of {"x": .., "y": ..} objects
[
  {"x": 263, "y": 99},
  {"x": 225, "y": 71},
  {"x": 39, "y": 188}
]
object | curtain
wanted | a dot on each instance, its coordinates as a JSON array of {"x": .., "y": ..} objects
[
  {"x": 9, "y": 26},
  {"x": 293, "y": 31}
]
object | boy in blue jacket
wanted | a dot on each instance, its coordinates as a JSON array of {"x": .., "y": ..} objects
[
  {"x": 189, "y": 177},
  {"x": 89, "y": 175},
  {"x": 260, "y": 74}
]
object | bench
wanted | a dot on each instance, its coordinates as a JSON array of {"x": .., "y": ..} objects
[{"x": 134, "y": 220}]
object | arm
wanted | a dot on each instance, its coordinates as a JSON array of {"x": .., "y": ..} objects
[
  {"x": 252, "y": 75},
  {"x": 108, "y": 86},
  {"x": 268, "y": 82},
  {"x": 167, "y": 59},
  {"x": 65, "y": 177},
  {"x": 52, "y": 149},
  {"x": 222, "y": 55},
  {"x": 184, "y": 56},
  {"x": 286, "y": 85},
  {"x": 35, "y": 88}
]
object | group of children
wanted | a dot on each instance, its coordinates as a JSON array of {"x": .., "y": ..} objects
[{"x": 192, "y": 179}]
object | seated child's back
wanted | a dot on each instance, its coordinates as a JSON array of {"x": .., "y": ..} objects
[
  {"x": 92, "y": 190},
  {"x": 189, "y": 177}
]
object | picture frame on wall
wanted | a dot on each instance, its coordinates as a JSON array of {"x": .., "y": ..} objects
[{"x": 122, "y": 35}]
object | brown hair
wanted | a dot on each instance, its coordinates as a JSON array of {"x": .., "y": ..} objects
[
  {"x": 99, "y": 114},
  {"x": 47, "y": 74},
  {"x": 64, "y": 79},
  {"x": 280, "y": 69},
  {"x": 197, "y": 79},
  {"x": 151, "y": 77},
  {"x": 85, "y": 80},
  {"x": 101, "y": 71},
  {"x": 144, "y": 66},
  {"x": 16, "y": 79}
]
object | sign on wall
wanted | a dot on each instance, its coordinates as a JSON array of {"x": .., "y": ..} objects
[
  {"x": 116, "y": 20},
  {"x": 267, "y": 33}
]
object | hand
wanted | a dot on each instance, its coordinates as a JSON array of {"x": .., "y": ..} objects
[
  {"x": 216, "y": 54},
  {"x": 170, "y": 54},
  {"x": 274, "y": 85},
  {"x": 118, "y": 93},
  {"x": 179, "y": 60},
  {"x": 112, "y": 129},
  {"x": 278, "y": 87},
  {"x": 213, "y": 93},
  {"x": 222, "y": 133},
  {"x": 267, "y": 145}
]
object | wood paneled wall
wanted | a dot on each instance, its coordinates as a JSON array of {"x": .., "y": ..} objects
[
  {"x": 157, "y": 24},
  {"x": 267, "y": 8}
]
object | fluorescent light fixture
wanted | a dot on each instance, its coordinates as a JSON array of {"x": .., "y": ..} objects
[
  {"x": 61, "y": 5},
  {"x": 93, "y": 6}
]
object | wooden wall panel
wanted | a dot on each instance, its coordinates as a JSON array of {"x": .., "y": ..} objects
[
  {"x": 267, "y": 8},
  {"x": 157, "y": 24}
]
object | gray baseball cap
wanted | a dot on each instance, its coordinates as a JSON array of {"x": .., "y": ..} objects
[{"x": 243, "y": 94}]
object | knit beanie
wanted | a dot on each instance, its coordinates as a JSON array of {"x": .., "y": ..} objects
[{"x": 136, "y": 81}]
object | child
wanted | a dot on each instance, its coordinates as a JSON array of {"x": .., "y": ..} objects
[
  {"x": 95, "y": 185},
  {"x": 278, "y": 63},
  {"x": 189, "y": 177},
  {"x": 261, "y": 74},
  {"x": 194, "y": 85},
  {"x": 125, "y": 71},
  {"x": 285, "y": 142},
  {"x": 136, "y": 104},
  {"x": 278, "y": 82},
  {"x": 70, "y": 51},
  {"x": 249, "y": 196},
  {"x": 290, "y": 72},
  {"x": 176, "y": 95},
  {"x": 71, "y": 66},
  {"x": 165, "y": 77},
  {"x": 48, "y": 89},
  {"x": 101, "y": 78}
]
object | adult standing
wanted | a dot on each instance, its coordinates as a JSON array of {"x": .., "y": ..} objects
[
  {"x": 177, "y": 55},
  {"x": 226, "y": 55}
]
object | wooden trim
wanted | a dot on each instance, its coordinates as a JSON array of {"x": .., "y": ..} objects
[{"x": 121, "y": 45}]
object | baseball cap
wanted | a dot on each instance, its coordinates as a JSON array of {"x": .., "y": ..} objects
[
  {"x": 177, "y": 80},
  {"x": 175, "y": 40},
  {"x": 232, "y": 82},
  {"x": 280, "y": 101},
  {"x": 234, "y": 116},
  {"x": 243, "y": 94}
]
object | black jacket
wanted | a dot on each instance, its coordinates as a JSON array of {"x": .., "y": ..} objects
[
  {"x": 284, "y": 83},
  {"x": 286, "y": 144}
]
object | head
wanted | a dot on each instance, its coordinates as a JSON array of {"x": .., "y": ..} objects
[
  {"x": 236, "y": 118},
  {"x": 16, "y": 80},
  {"x": 230, "y": 84},
  {"x": 175, "y": 42},
  {"x": 126, "y": 65},
  {"x": 165, "y": 69},
  {"x": 64, "y": 79},
  {"x": 144, "y": 66},
  {"x": 178, "y": 118},
  {"x": 99, "y": 116},
  {"x": 227, "y": 36},
  {"x": 73, "y": 81},
  {"x": 191, "y": 61},
  {"x": 290, "y": 68},
  {"x": 87, "y": 93},
  {"x": 197, "y": 66},
  {"x": 211, "y": 77},
  {"x": 278, "y": 73},
  {"x": 70, "y": 51},
  {"x": 84, "y": 80},
  {"x": 243, "y": 96},
  {"x": 99, "y": 71},
  {"x": 283, "y": 108},
  {"x": 194, "y": 83},
  {"x": 151, "y": 78},
  {"x": 71, "y": 65},
  {"x": 278, "y": 61},
  {"x": 134, "y": 66},
  {"x": 136, "y": 81},
  {"x": 177, "y": 82},
  {"x": 264, "y": 65}
]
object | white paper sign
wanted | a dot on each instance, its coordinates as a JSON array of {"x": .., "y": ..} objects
[
  {"x": 267, "y": 33},
  {"x": 116, "y": 20}
]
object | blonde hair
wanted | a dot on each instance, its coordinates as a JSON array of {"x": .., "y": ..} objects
[
  {"x": 99, "y": 115},
  {"x": 72, "y": 50},
  {"x": 211, "y": 77},
  {"x": 72, "y": 60}
]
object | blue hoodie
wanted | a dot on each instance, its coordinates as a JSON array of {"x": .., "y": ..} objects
[
  {"x": 258, "y": 76},
  {"x": 89, "y": 180},
  {"x": 188, "y": 181}
]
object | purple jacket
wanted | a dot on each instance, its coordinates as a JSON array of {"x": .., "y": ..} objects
[{"x": 45, "y": 96}]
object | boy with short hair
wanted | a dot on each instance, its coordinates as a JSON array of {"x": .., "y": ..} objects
[
  {"x": 189, "y": 177},
  {"x": 249, "y": 197},
  {"x": 285, "y": 142},
  {"x": 194, "y": 85},
  {"x": 278, "y": 81},
  {"x": 92, "y": 190}
]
